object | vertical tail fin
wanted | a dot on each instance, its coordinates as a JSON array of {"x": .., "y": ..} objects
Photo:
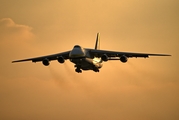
[{"x": 97, "y": 45}]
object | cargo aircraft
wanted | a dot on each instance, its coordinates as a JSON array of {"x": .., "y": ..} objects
[{"x": 88, "y": 59}]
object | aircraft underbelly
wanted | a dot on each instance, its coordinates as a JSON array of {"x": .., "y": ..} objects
[{"x": 86, "y": 63}]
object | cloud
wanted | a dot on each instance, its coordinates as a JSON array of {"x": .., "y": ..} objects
[
  {"x": 15, "y": 40},
  {"x": 13, "y": 32},
  {"x": 13, "y": 35}
]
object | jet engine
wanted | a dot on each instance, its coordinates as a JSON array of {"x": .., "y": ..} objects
[
  {"x": 123, "y": 59},
  {"x": 46, "y": 62},
  {"x": 61, "y": 59},
  {"x": 104, "y": 57}
]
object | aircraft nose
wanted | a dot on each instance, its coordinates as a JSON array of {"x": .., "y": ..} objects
[{"x": 76, "y": 52}]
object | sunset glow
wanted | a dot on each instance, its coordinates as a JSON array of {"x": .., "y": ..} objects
[{"x": 141, "y": 89}]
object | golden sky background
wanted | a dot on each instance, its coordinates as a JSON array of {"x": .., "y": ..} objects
[{"x": 141, "y": 89}]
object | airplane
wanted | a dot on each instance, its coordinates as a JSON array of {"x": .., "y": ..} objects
[{"x": 88, "y": 59}]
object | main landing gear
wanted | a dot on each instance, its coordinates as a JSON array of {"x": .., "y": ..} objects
[
  {"x": 96, "y": 70},
  {"x": 78, "y": 70}
]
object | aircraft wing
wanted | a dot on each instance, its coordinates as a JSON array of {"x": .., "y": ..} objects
[
  {"x": 65, "y": 55},
  {"x": 112, "y": 54}
]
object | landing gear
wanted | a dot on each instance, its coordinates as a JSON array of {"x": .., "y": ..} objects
[
  {"x": 78, "y": 70},
  {"x": 96, "y": 70}
]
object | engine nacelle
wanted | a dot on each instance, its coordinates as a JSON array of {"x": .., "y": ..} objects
[
  {"x": 61, "y": 59},
  {"x": 104, "y": 57},
  {"x": 123, "y": 59},
  {"x": 46, "y": 62}
]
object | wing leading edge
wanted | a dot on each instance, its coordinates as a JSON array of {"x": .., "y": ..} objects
[
  {"x": 65, "y": 55},
  {"x": 99, "y": 53}
]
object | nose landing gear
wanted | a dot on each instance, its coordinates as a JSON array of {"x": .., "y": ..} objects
[{"x": 78, "y": 69}]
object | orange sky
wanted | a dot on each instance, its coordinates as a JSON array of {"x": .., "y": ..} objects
[{"x": 141, "y": 89}]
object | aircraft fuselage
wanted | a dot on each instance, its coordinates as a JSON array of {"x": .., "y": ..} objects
[{"x": 82, "y": 59}]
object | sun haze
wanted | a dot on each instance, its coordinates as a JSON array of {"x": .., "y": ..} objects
[{"x": 141, "y": 89}]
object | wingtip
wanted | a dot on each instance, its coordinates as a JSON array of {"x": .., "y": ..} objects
[
  {"x": 20, "y": 60},
  {"x": 161, "y": 55},
  {"x": 14, "y": 61},
  {"x": 168, "y": 55}
]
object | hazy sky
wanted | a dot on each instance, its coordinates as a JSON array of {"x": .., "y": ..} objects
[{"x": 141, "y": 89}]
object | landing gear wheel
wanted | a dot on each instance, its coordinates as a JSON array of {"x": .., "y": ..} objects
[
  {"x": 96, "y": 70},
  {"x": 78, "y": 70}
]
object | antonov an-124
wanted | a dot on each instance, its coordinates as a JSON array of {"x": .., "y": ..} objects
[{"x": 88, "y": 59}]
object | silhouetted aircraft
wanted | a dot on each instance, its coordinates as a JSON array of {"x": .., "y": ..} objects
[{"x": 88, "y": 59}]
